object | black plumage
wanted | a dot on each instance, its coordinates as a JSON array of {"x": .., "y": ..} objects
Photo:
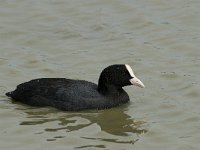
[{"x": 74, "y": 95}]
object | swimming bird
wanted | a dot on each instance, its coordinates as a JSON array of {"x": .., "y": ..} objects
[{"x": 75, "y": 95}]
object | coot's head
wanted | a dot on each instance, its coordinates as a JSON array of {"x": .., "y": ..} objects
[{"x": 118, "y": 75}]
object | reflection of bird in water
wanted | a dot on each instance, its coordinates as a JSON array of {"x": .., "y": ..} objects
[{"x": 114, "y": 121}]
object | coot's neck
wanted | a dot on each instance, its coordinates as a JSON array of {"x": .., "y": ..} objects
[{"x": 108, "y": 89}]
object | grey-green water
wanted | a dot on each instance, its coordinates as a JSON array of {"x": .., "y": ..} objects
[{"x": 76, "y": 39}]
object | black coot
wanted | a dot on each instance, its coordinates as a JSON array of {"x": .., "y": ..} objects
[{"x": 74, "y": 95}]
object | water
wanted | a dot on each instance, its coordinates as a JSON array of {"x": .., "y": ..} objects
[{"x": 77, "y": 39}]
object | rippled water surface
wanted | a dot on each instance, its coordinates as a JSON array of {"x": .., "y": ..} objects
[{"x": 76, "y": 39}]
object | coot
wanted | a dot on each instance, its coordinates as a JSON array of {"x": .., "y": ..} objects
[{"x": 74, "y": 95}]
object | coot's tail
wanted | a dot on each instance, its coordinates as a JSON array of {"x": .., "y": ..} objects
[{"x": 9, "y": 94}]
